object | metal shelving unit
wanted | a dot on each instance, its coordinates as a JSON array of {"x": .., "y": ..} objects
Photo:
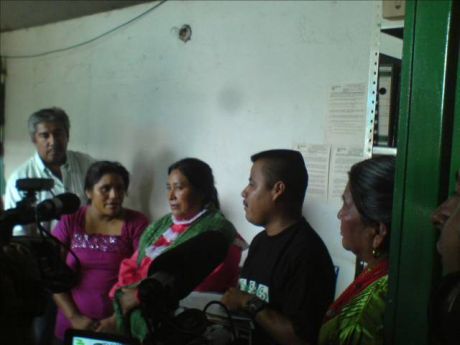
[{"x": 384, "y": 85}]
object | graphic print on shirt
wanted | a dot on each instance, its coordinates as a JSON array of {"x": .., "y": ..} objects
[{"x": 260, "y": 290}]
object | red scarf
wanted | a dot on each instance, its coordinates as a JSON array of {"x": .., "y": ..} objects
[
  {"x": 176, "y": 229},
  {"x": 366, "y": 278}
]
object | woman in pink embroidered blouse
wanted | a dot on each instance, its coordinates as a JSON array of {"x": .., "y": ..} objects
[{"x": 101, "y": 235}]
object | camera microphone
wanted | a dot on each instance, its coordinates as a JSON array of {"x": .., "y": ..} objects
[
  {"x": 46, "y": 210},
  {"x": 65, "y": 203}
]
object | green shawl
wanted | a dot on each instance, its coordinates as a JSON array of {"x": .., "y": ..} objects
[
  {"x": 360, "y": 322},
  {"x": 212, "y": 220}
]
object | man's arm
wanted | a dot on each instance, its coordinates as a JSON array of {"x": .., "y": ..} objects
[{"x": 278, "y": 326}]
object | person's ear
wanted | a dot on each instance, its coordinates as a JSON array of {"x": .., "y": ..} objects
[
  {"x": 278, "y": 189},
  {"x": 381, "y": 232}
]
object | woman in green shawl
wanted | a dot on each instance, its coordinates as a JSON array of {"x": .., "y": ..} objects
[
  {"x": 356, "y": 317},
  {"x": 194, "y": 206}
]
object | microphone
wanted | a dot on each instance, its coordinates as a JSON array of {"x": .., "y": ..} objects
[
  {"x": 49, "y": 209},
  {"x": 65, "y": 203},
  {"x": 177, "y": 272}
]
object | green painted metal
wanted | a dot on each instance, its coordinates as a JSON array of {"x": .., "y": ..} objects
[{"x": 424, "y": 161}]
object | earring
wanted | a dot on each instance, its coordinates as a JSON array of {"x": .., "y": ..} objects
[{"x": 376, "y": 253}]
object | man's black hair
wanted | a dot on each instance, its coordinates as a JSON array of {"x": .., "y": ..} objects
[{"x": 287, "y": 166}]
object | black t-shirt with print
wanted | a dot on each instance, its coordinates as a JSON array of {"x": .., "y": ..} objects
[{"x": 293, "y": 272}]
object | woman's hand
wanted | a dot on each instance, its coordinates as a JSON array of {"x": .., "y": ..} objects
[
  {"x": 108, "y": 325},
  {"x": 83, "y": 322},
  {"x": 128, "y": 299}
]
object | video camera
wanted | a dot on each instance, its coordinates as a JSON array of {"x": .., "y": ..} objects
[
  {"x": 172, "y": 276},
  {"x": 31, "y": 267},
  {"x": 50, "y": 271},
  {"x": 27, "y": 210}
]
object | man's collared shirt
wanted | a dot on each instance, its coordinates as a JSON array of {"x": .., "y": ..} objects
[{"x": 73, "y": 177}]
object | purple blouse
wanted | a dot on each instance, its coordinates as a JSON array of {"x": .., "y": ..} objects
[{"x": 100, "y": 257}]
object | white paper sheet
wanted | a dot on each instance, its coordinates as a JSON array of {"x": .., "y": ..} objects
[
  {"x": 342, "y": 158},
  {"x": 317, "y": 161},
  {"x": 346, "y": 120}
]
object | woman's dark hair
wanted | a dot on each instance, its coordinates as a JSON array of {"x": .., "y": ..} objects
[
  {"x": 371, "y": 185},
  {"x": 101, "y": 168},
  {"x": 200, "y": 176}
]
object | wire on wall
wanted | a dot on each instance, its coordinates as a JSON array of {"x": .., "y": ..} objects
[{"x": 87, "y": 41}]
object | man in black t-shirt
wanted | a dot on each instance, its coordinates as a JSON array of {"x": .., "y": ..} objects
[{"x": 288, "y": 280}]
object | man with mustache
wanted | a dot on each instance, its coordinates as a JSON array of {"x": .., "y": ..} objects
[
  {"x": 287, "y": 281},
  {"x": 49, "y": 131}
]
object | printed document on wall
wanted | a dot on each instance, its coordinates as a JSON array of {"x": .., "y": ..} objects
[
  {"x": 317, "y": 162},
  {"x": 346, "y": 118},
  {"x": 342, "y": 158}
]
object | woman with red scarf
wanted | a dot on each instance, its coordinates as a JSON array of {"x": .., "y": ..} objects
[{"x": 356, "y": 317}]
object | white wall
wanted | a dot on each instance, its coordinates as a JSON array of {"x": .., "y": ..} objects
[{"x": 254, "y": 76}]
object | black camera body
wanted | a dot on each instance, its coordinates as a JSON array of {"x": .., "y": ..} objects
[
  {"x": 30, "y": 186},
  {"x": 28, "y": 211},
  {"x": 43, "y": 252},
  {"x": 34, "y": 184},
  {"x": 25, "y": 208}
]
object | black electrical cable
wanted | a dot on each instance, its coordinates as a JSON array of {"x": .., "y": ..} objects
[
  {"x": 229, "y": 316},
  {"x": 67, "y": 247},
  {"x": 85, "y": 42}
]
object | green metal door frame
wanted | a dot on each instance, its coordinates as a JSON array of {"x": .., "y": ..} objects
[{"x": 428, "y": 154}]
